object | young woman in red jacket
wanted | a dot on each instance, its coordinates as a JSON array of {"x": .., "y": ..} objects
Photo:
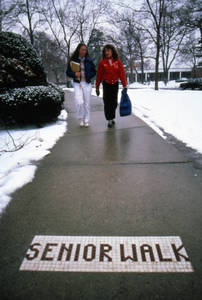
[{"x": 110, "y": 70}]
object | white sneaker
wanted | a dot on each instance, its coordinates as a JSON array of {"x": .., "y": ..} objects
[
  {"x": 87, "y": 125},
  {"x": 81, "y": 123}
]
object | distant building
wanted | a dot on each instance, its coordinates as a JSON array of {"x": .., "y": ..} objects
[{"x": 173, "y": 74}]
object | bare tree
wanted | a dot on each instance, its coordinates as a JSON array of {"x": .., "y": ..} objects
[
  {"x": 155, "y": 17},
  {"x": 149, "y": 19},
  {"x": 60, "y": 17},
  {"x": 72, "y": 21},
  {"x": 191, "y": 17},
  {"x": 136, "y": 44},
  {"x": 54, "y": 62},
  {"x": 131, "y": 39},
  {"x": 27, "y": 16},
  {"x": 6, "y": 12},
  {"x": 172, "y": 35},
  {"x": 123, "y": 39},
  {"x": 29, "y": 13},
  {"x": 188, "y": 51},
  {"x": 142, "y": 45},
  {"x": 89, "y": 14}
]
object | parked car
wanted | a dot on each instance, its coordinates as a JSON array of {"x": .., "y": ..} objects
[
  {"x": 193, "y": 84},
  {"x": 183, "y": 79}
]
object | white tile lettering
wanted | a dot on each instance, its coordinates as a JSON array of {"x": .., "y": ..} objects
[{"x": 106, "y": 254}]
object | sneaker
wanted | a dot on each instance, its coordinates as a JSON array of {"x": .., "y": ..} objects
[
  {"x": 87, "y": 125},
  {"x": 110, "y": 124},
  {"x": 81, "y": 123}
]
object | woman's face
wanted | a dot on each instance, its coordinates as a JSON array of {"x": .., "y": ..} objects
[
  {"x": 108, "y": 53},
  {"x": 82, "y": 51}
]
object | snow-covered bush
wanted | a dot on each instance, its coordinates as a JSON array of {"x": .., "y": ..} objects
[
  {"x": 20, "y": 64},
  {"x": 30, "y": 105},
  {"x": 25, "y": 95}
]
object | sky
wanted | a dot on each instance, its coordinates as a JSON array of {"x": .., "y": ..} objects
[{"x": 134, "y": 3}]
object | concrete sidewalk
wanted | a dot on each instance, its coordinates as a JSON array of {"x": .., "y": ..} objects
[{"x": 125, "y": 181}]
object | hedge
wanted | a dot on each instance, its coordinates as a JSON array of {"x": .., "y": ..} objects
[
  {"x": 31, "y": 104},
  {"x": 20, "y": 64}
]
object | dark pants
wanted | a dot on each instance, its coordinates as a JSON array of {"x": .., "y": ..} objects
[{"x": 110, "y": 98}]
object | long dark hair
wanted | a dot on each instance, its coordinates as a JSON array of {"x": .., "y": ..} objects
[
  {"x": 76, "y": 52},
  {"x": 115, "y": 54}
]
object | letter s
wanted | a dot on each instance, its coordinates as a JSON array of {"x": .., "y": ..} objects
[{"x": 35, "y": 250}]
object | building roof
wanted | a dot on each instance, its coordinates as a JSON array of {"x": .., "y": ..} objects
[{"x": 179, "y": 69}]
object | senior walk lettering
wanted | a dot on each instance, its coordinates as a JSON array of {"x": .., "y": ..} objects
[{"x": 106, "y": 254}]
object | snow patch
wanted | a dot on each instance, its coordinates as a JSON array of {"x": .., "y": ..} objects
[
  {"x": 176, "y": 112},
  {"x": 150, "y": 85},
  {"x": 17, "y": 168}
]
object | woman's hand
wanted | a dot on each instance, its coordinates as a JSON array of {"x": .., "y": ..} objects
[
  {"x": 78, "y": 74},
  {"x": 97, "y": 92}
]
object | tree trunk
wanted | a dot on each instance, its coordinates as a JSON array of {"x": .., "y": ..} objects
[
  {"x": 31, "y": 34},
  {"x": 201, "y": 32},
  {"x": 1, "y": 16},
  {"x": 55, "y": 71},
  {"x": 166, "y": 76},
  {"x": 131, "y": 73},
  {"x": 156, "y": 75},
  {"x": 68, "y": 52},
  {"x": 165, "y": 70},
  {"x": 142, "y": 68}
]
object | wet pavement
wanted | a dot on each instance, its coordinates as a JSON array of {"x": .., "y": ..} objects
[{"x": 119, "y": 182}]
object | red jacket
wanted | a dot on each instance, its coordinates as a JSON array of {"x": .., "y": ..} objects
[{"x": 110, "y": 72}]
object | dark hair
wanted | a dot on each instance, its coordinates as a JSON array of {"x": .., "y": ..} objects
[
  {"x": 115, "y": 54},
  {"x": 76, "y": 52}
]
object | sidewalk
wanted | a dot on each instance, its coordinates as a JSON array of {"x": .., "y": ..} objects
[{"x": 126, "y": 181}]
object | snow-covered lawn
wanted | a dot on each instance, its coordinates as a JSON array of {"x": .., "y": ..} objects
[
  {"x": 170, "y": 85},
  {"x": 18, "y": 167},
  {"x": 177, "y": 112}
]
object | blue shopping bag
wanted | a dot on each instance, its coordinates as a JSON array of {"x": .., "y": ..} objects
[{"x": 125, "y": 104}]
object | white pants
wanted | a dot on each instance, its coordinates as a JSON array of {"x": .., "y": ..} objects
[{"x": 82, "y": 94}]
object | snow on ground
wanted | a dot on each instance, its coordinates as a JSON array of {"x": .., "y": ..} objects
[
  {"x": 68, "y": 89},
  {"x": 170, "y": 85},
  {"x": 18, "y": 167},
  {"x": 176, "y": 112}
]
